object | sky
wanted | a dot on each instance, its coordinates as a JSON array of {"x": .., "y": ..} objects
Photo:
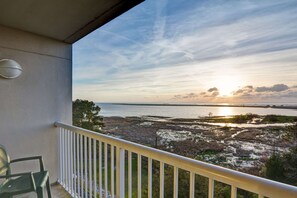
[{"x": 192, "y": 51}]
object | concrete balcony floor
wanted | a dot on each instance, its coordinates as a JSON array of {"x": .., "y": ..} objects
[
  {"x": 56, "y": 189},
  {"x": 59, "y": 192}
]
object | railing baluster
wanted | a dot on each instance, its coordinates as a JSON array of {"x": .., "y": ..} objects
[
  {"x": 233, "y": 192},
  {"x": 69, "y": 160},
  {"x": 129, "y": 174},
  {"x": 90, "y": 168},
  {"x": 139, "y": 190},
  {"x": 161, "y": 180},
  {"x": 74, "y": 163},
  {"x": 63, "y": 159},
  {"x": 77, "y": 164},
  {"x": 95, "y": 166},
  {"x": 81, "y": 167},
  {"x": 210, "y": 188},
  {"x": 120, "y": 168},
  {"x": 175, "y": 182},
  {"x": 192, "y": 185},
  {"x": 61, "y": 156},
  {"x": 112, "y": 170},
  {"x": 66, "y": 160},
  {"x": 105, "y": 171},
  {"x": 71, "y": 163},
  {"x": 100, "y": 169},
  {"x": 150, "y": 178},
  {"x": 86, "y": 167}
]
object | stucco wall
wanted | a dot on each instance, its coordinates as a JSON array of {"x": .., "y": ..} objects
[{"x": 31, "y": 103}]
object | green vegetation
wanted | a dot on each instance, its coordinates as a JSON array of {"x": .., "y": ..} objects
[
  {"x": 231, "y": 119},
  {"x": 249, "y": 117},
  {"x": 244, "y": 118},
  {"x": 275, "y": 168},
  {"x": 279, "y": 119},
  {"x": 86, "y": 115},
  {"x": 283, "y": 167}
]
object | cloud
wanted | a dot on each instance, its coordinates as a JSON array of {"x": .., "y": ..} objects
[
  {"x": 245, "y": 91},
  {"x": 244, "y": 94},
  {"x": 186, "y": 96},
  {"x": 211, "y": 93},
  {"x": 274, "y": 88},
  {"x": 213, "y": 89},
  {"x": 178, "y": 96},
  {"x": 274, "y": 92},
  {"x": 160, "y": 48},
  {"x": 191, "y": 95},
  {"x": 290, "y": 94},
  {"x": 263, "y": 91},
  {"x": 214, "y": 92}
]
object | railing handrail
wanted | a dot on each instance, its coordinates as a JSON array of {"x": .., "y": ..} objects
[{"x": 241, "y": 180}]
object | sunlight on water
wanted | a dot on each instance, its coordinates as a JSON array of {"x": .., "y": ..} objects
[{"x": 226, "y": 111}]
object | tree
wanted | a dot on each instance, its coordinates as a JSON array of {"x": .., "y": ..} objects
[{"x": 86, "y": 115}]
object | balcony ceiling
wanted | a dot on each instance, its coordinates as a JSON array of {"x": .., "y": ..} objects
[{"x": 64, "y": 20}]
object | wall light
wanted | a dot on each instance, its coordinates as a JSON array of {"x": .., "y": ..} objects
[{"x": 10, "y": 68}]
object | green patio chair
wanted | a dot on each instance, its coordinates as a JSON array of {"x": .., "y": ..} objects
[{"x": 15, "y": 184}]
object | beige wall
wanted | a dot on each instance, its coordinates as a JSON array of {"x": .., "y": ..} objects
[{"x": 31, "y": 103}]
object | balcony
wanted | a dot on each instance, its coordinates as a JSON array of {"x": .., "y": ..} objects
[{"x": 96, "y": 165}]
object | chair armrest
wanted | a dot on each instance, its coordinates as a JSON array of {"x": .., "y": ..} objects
[
  {"x": 28, "y": 174},
  {"x": 30, "y": 158}
]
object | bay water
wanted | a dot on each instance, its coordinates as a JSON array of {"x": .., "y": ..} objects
[{"x": 123, "y": 110}]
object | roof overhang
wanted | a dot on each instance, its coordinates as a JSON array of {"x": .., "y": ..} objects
[{"x": 64, "y": 20}]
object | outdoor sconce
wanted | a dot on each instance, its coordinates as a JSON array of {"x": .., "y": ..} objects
[{"x": 10, "y": 68}]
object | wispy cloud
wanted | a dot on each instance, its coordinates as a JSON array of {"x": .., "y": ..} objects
[{"x": 176, "y": 47}]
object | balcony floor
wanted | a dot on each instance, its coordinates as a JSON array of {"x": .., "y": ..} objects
[{"x": 57, "y": 192}]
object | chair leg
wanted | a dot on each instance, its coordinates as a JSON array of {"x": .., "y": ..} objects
[
  {"x": 48, "y": 188},
  {"x": 39, "y": 192}
]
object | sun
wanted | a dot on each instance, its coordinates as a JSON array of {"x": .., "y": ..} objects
[{"x": 228, "y": 84}]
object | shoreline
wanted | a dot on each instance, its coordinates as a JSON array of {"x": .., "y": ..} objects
[{"x": 294, "y": 107}]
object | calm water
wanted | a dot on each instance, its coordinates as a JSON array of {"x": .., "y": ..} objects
[{"x": 185, "y": 111}]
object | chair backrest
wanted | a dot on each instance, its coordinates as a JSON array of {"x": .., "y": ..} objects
[{"x": 4, "y": 160}]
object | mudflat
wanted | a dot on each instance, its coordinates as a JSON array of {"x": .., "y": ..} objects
[{"x": 241, "y": 144}]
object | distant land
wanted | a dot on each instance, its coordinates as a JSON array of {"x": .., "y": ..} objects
[{"x": 214, "y": 105}]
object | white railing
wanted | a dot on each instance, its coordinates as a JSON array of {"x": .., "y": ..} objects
[{"x": 89, "y": 160}]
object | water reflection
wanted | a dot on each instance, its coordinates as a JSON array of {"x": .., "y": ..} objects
[{"x": 226, "y": 111}]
